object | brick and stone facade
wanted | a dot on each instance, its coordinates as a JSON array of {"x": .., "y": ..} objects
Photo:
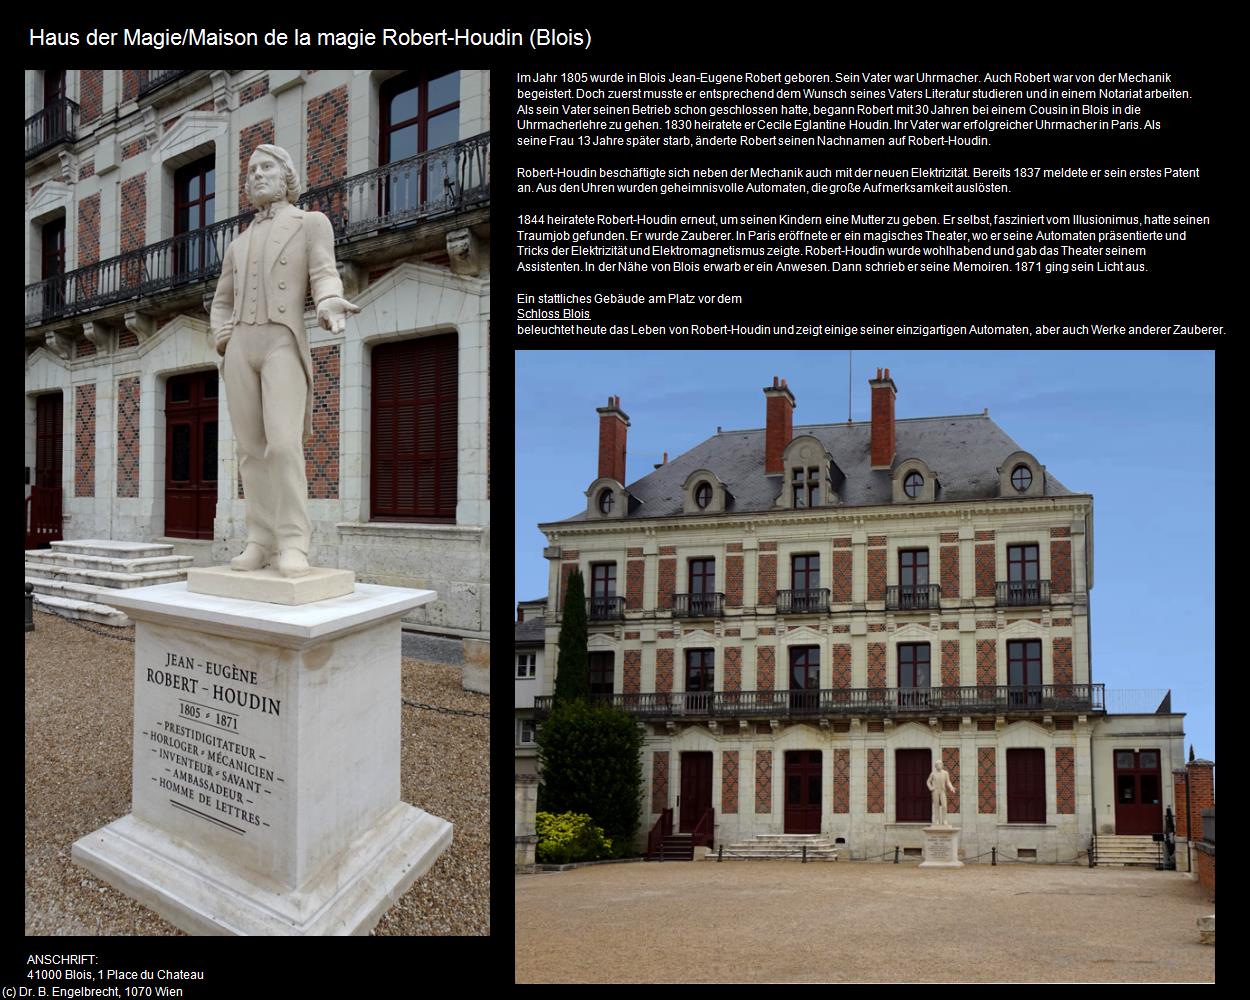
[
  {"x": 113, "y": 364},
  {"x": 858, "y": 720}
]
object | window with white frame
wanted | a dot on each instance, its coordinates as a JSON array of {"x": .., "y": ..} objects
[
  {"x": 527, "y": 732},
  {"x": 525, "y": 666}
]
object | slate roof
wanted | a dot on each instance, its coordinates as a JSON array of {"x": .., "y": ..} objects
[
  {"x": 964, "y": 453},
  {"x": 531, "y": 631}
]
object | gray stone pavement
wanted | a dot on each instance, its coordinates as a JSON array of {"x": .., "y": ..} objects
[
  {"x": 433, "y": 648},
  {"x": 859, "y": 922}
]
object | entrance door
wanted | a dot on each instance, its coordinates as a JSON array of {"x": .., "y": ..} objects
[
  {"x": 802, "y": 791},
  {"x": 1138, "y": 792},
  {"x": 43, "y": 519},
  {"x": 696, "y": 789},
  {"x": 913, "y": 802},
  {"x": 191, "y": 455}
]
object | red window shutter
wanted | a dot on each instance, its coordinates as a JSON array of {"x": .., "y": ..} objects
[{"x": 415, "y": 385}]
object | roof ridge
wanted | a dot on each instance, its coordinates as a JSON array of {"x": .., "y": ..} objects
[{"x": 863, "y": 423}]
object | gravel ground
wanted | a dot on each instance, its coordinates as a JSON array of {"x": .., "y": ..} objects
[
  {"x": 785, "y": 922},
  {"x": 79, "y": 700}
]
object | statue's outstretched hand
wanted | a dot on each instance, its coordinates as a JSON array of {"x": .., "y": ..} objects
[{"x": 332, "y": 313}]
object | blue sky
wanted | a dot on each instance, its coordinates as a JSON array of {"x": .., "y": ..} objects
[{"x": 1134, "y": 428}]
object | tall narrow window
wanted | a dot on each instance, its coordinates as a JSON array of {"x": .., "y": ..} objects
[
  {"x": 702, "y": 585},
  {"x": 805, "y": 574},
  {"x": 913, "y": 579},
  {"x": 601, "y": 673},
  {"x": 418, "y": 114},
  {"x": 414, "y": 430},
  {"x": 913, "y": 674},
  {"x": 1024, "y": 671},
  {"x": 1023, "y": 572},
  {"x": 194, "y": 207},
  {"x": 804, "y": 678},
  {"x": 53, "y": 262},
  {"x": 603, "y": 590}
]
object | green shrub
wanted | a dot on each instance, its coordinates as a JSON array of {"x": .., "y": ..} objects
[{"x": 569, "y": 837}]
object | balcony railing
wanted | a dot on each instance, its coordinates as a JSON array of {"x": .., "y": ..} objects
[
  {"x": 913, "y": 597},
  {"x": 56, "y": 123},
  {"x": 803, "y": 602},
  {"x": 845, "y": 702},
  {"x": 153, "y": 79},
  {"x": 600, "y": 609},
  {"x": 1018, "y": 593},
  {"x": 448, "y": 179},
  {"x": 196, "y": 256},
  {"x": 698, "y": 605}
]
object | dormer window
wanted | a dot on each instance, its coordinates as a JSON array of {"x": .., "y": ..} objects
[
  {"x": 806, "y": 487},
  {"x": 913, "y": 485},
  {"x": 1021, "y": 478},
  {"x": 606, "y": 501},
  {"x": 703, "y": 495}
]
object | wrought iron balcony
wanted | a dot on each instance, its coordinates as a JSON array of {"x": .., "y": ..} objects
[
  {"x": 803, "y": 602},
  {"x": 600, "y": 609},
  {"x": 1022, "y": 593},
  {"x": 1042, "y": 699},
  {"x": 913, "y": 597},
  {"x": 698, "y": 605},
  {"x": 56, "y": 123},
  {"x": 196, "y": 256},
  {"x": 440, "y": 181},
  {"x": 153, "y": 79}
]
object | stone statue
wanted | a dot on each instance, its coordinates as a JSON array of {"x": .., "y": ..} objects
[
  {"x": 939, "y": 783},
  {"x": 257, "y": 320}
]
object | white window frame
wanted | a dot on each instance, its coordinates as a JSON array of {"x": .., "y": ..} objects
[
  {"x": 529, "y": 668},
  {"x": 520, "y": 735}
]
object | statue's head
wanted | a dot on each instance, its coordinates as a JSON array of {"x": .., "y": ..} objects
[{"x": 271, "y": 176}]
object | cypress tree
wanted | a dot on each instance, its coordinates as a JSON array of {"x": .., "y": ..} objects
[{"x": 572, "y": 666}]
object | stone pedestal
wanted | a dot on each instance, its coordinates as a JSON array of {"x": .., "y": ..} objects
[
  {"x": 266, "y": 765},
  {"x": 941, "y": 847}
]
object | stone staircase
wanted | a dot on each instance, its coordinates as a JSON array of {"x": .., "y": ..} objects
[
  {"x": 74, "y": 579},
  {"x": 781, "y": 847},
  {"x": 1126, "y": 851},
  {"x": 676, "y": 847}
]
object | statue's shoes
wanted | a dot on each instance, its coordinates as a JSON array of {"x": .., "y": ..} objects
[
  {"x": 253, "y": 557},
  {"x": 292, "y": 562}
]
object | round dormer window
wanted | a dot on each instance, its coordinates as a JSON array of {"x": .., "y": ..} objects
[
  {"x": 703, "y": 495},
  {"x": 606, "y": 502},
  {"x": 1021, "y": 478},
  {"x": 913, "y": 485}
]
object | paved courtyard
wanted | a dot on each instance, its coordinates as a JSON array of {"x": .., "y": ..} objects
[{"x": 858, "y": 922}]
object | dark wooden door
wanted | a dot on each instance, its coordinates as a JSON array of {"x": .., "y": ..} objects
[
  {"x": 913, "y": 802},
  {"x": 43, "y": 520},
  {"x": 802, "y": 811},
  {"x": 1138, "y": 792},
  {"x": 191, "y": 455},
  {"x": 696, "y": 789},
  {"x": 1026, "y": 785}
]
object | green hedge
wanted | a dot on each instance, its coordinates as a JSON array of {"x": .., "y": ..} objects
[{"x": 567, "y": 837}]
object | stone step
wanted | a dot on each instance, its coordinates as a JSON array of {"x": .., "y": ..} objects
[
  {"x": 85, "y": 610},
  {"x": 102, "y": 578},
  {"x": 119, "y": 550},
  {"x": 111, "y": 564},
  {"x": 783, "y": 847},
  {"x": 74, "y": 591}
]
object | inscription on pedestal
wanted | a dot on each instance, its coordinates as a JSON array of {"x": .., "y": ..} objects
[
  {"x": 203, "y": 731},
  {"x": 937, "y": 848}
]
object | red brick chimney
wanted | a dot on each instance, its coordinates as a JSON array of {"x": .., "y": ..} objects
[
  {"x": 613, "y": 425},
  {"x": 780, "y": 425},
  {"x": 883, "y": 393},
  {"x": 1201, "y": 777}
]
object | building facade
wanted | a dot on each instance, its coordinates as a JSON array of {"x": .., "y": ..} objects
[
  {"x": 528, "y": 670},
  {"x": 805, "y": 619},
  {"x": 134, "y": 188}
]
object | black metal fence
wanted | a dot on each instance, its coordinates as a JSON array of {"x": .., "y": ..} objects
[
  {"x": 802, "y": 602},
  {"x": 698, "y": 605},
  {"x": 605, "y": 608},
  {"x": 913, "y": 597}
]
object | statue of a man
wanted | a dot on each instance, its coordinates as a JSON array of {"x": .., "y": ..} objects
[
  {"x": 939, "y": 783},
  {"x": 257, "y": 321}
]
